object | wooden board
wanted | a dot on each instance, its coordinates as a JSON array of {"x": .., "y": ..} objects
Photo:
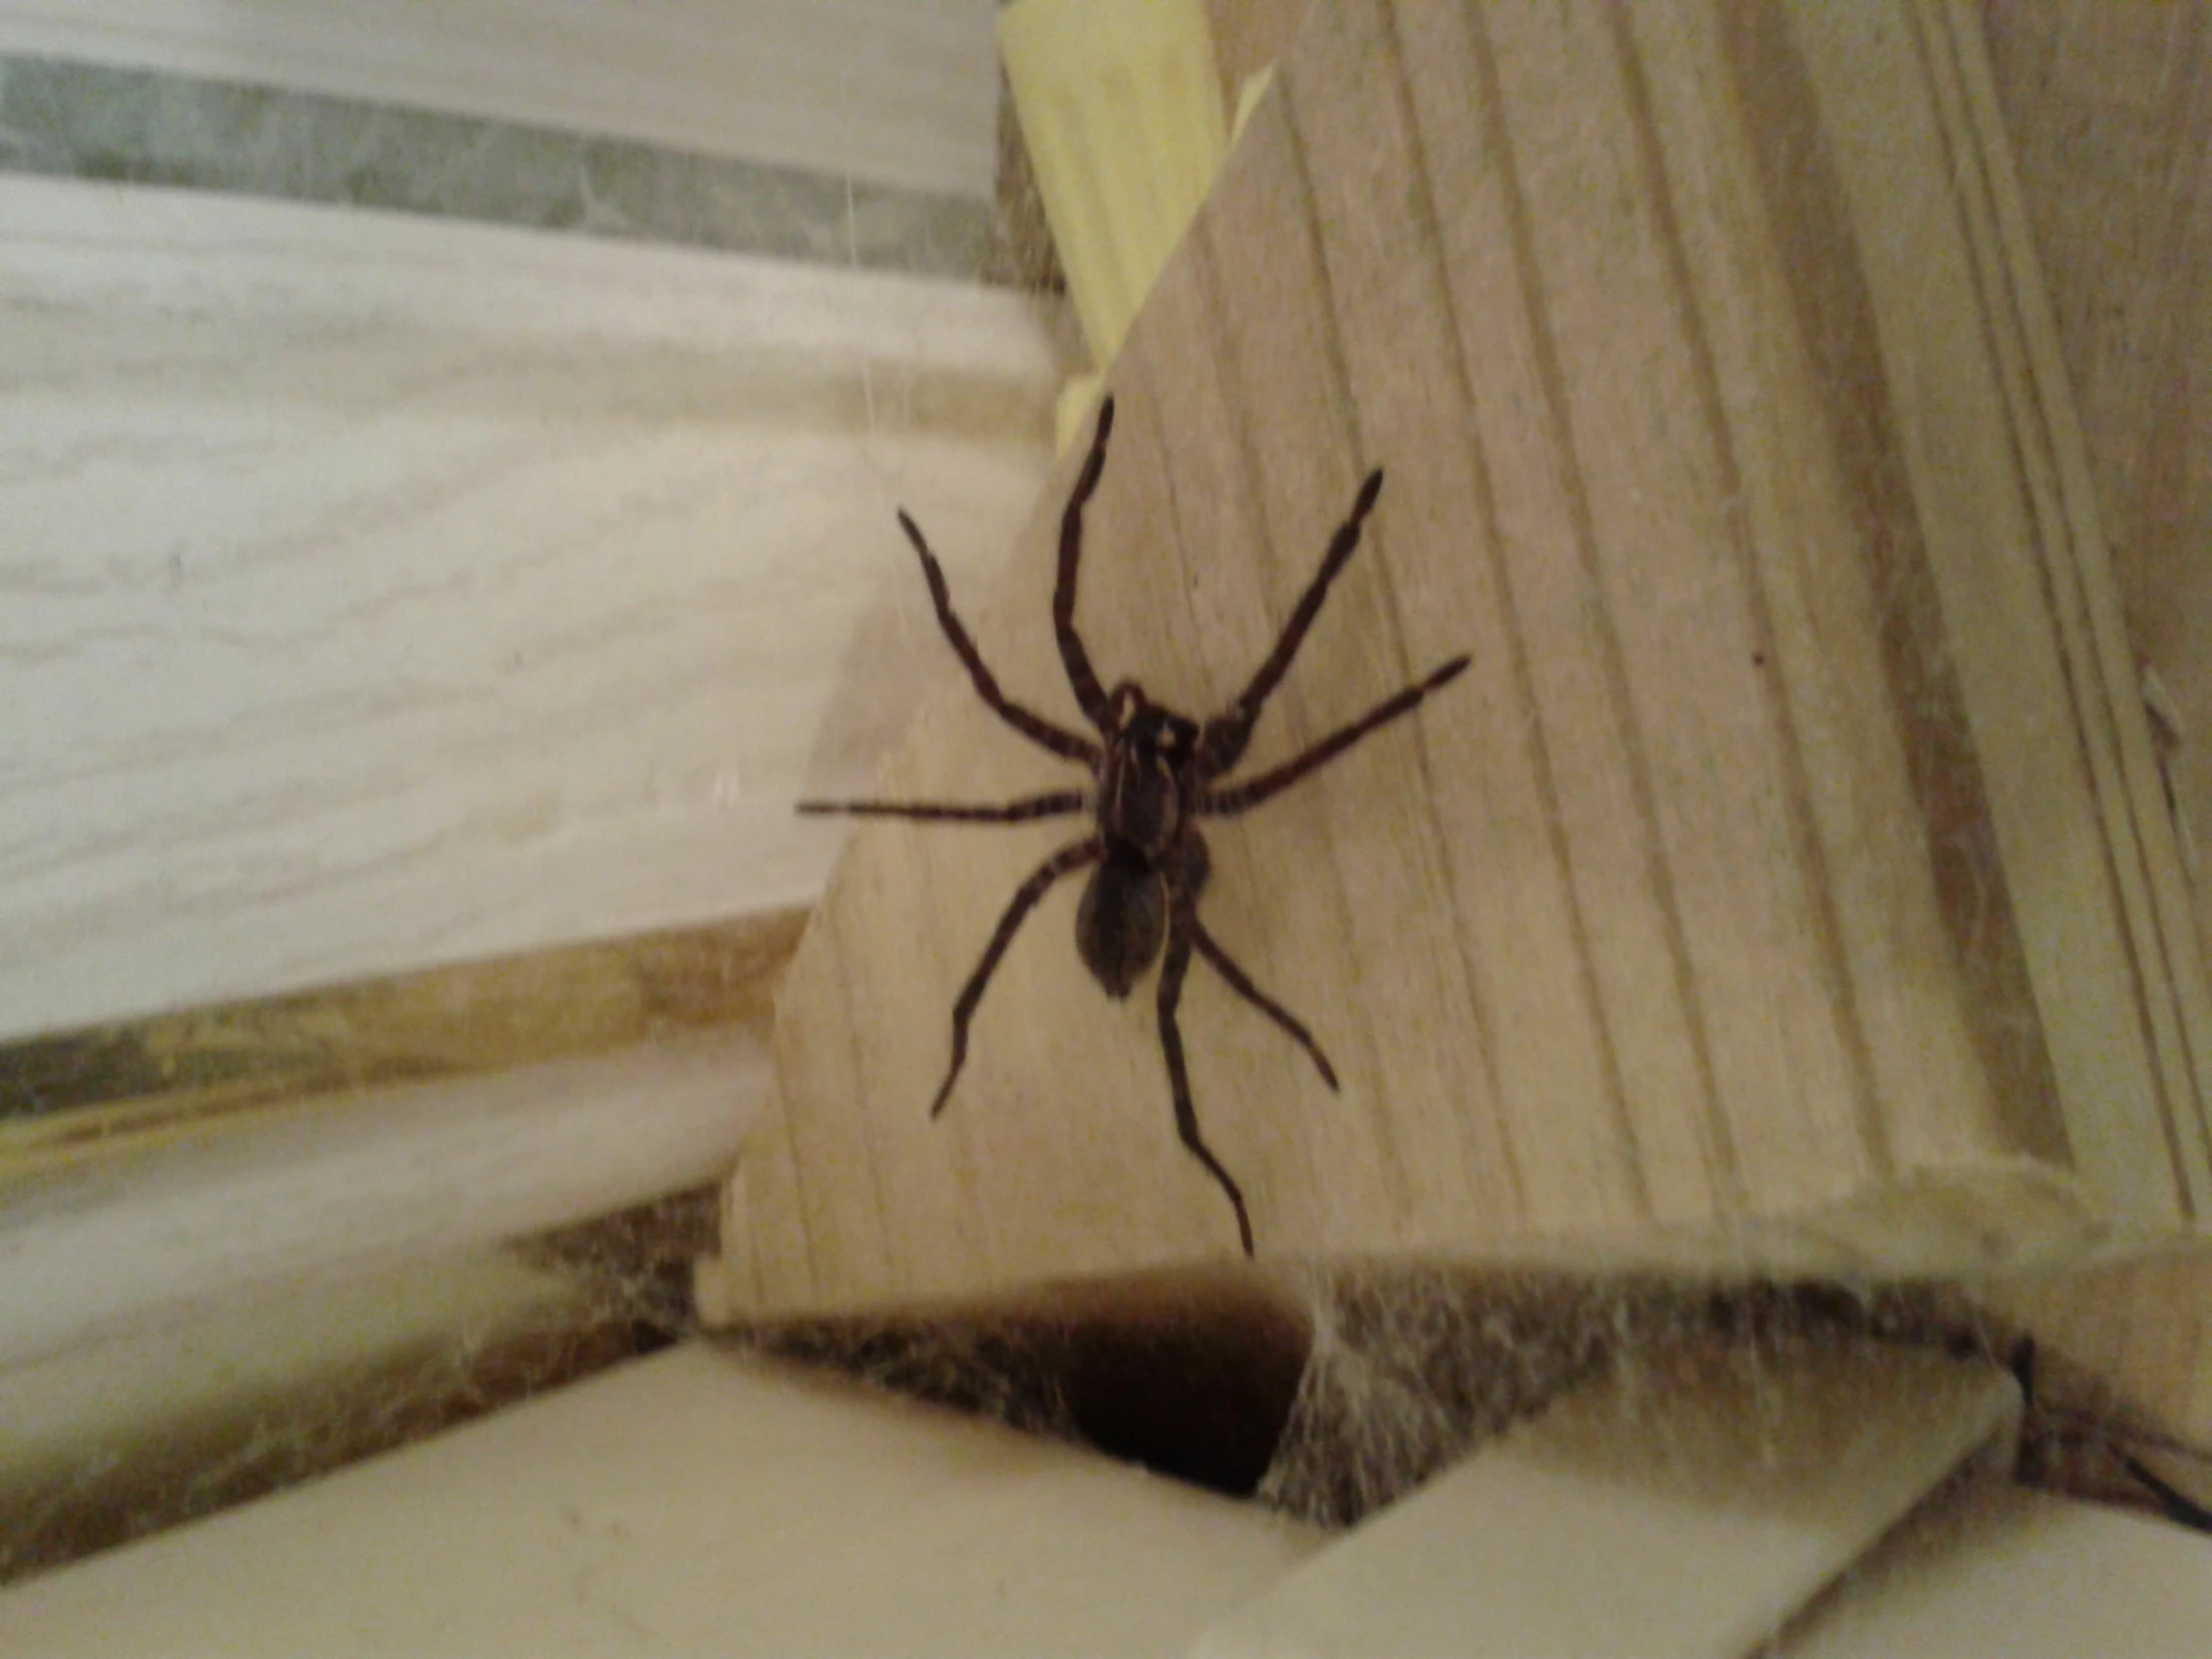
[
  {"x": 1788, "y": 882},
  {"x": 2134, "y": 1338},
  {"x": 694, "y": 1502},
  {"x": 1683, "y": 1507},
  {"x": 2110, "y": 112},
  {"x": 897, "y": 92},
  {"x": 392, "y": 1175},
  {"x": 1996, "y": 1569},
  {"x": 278, "y": 1384},
  {"x": 118, "y": 1090},
  {"x": 382, "y": 593}
]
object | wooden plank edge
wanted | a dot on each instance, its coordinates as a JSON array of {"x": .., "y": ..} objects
[
  {"x": 2080, "y": 592},
  {"x": 895, "y": 94},
  {"x": 116, "y": 1091},
  {"x": 1929, "y": 1223},
  {"x": 695, "y": 1501},
  {"x": 396, "y": 1175},
  {"x": 1684, "y": 1507}
]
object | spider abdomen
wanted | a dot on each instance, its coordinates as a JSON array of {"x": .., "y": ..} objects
[{"x": 1122, "y": 919}]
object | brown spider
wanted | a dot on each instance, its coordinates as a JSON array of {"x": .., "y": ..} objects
[{"x": 1157, "y": 772}]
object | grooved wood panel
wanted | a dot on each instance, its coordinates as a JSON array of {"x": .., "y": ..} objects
[
  {"x": 900, "y": 92},
  {"x": 2110, "y": 113},
  {"x": 381, "y": 593},
  {"x": 1788, "y": 882}
]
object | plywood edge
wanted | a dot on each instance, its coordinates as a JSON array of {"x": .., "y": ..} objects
[{"x": 1935, "y": 1224}]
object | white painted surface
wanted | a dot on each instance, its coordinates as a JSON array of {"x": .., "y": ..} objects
[
  {"x": 2006, "y": 1571},
  {"x": 105, "y": 1401},
  {"x": 397, "y": 1175},
  {"x": 693, "y": 1504},
  {"x": 897, "y": 92},
  {"x": 379, "y": 593},
  {"x": 1683, "y": 1510}
]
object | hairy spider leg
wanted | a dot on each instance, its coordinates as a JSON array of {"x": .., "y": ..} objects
[
  {"x": 1027, "y": 721},
  {"x": 1056, "y": 803},
  {"x": 1090, "y": 697},
  {"x": 1241, "y": 982},
  {"x": 1066, "y": 861},
  {"x": 1241, "y": 797},
  {"x": 1222, "y": 743},
  {"x": 1173, "y": 965}
]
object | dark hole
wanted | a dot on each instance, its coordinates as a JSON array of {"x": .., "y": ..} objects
[
  {"x": 1189, "y": 1375},
  {"x": 1203, "y": 1401}
]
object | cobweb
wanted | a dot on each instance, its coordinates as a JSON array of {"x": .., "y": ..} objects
[
  {"x": 551, "y": 1308},
  {"x": 1325, "y": 1392}
]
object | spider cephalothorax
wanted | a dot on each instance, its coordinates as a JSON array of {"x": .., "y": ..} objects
[{"x": 1155, "y": 773}]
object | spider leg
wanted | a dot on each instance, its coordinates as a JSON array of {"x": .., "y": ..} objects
[
  {"x": 1069, "y": 858},
  {"x": 1241, "y": 982},
  {"x": 1222, "y": 743},
  {"x": 1027, "y": 721},
  {"x": 1172, "y": 968},
  {"x": 1241, "y": 798},
  {"x": 1057, "y": 804},
  {"x": 1090, "y": 697}
]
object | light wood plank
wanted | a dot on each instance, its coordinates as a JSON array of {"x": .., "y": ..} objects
[
  {"x": 393, "y": 1175},
  {"x": 1785, "y": 884},
  {"x": 1996, "y": 1569},
  {"x": 900, "y": 92},
  {"x": 2110, "y": 111},
  {"x": 1684, "y": 1507},
  {"x": 2142, "y": 1330},
  {"x": 382, "y": 593},
  {"x": 121, "y": 1090},
  {"x": 694, "y": 1502},
  {"x": 277, "y": 1385}
]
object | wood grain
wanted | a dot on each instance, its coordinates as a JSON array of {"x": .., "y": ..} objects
[
  {"x": 1714, "y": 1494},
  {"x": 1995, "y": 1569},
  {"x": 604, "y": 1519},
  {"x": 392, "y": 1175},
  {"x": 1249, "y": 36},
  {"x": 382, "y": 594},
  {"x": 2110, "y": 112},
  {"x": 899, "y": 91},
  {"x": 1790, "y": 880},
  {"x": 118, "y": 1090}
]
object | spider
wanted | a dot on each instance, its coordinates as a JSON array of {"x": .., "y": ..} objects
[{"x": 1155, "y": 773}]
